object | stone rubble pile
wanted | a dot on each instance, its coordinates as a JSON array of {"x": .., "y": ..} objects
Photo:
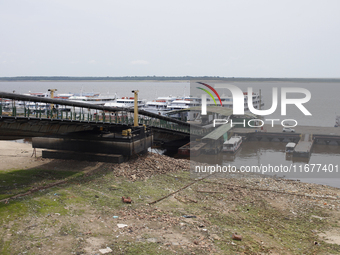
[{"x": 149, "y": 164}]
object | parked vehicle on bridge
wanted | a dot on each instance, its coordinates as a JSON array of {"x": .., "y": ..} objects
[{"x": 286, "y": 129}]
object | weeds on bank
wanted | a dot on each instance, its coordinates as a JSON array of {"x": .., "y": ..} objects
[{"x": 264, "y": 227}]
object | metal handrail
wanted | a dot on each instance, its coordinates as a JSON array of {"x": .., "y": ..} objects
[
  {"x": 86, "y": 105},
  {"x": 146, "y": 118}
]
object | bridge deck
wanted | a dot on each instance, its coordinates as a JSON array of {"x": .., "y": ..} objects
[{"x": 69, "y": 116}]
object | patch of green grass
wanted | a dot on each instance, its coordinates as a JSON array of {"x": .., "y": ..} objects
[
  {"x": 281, "y": 233},
  {"x": 5, "y": 248},
  {"x": 48, "y": 205},
  {"x": 139, "y": 248},
  {"x": 12, "y": 210},
  {"x": 19, "y": 181},
  {"x": 292, "y": 234},
  {"x": 107, "y": 190}
]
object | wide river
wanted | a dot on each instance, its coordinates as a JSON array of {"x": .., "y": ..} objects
[{"x": 324, "y": 106}]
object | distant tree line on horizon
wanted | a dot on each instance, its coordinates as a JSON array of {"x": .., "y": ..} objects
[{"x": 161, "y": 78}]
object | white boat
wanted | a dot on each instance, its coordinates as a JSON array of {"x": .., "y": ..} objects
[
  {"x": 6, "y": 103},
  {"x": 97, "y": 99},
  {"x": 63, "y": 96},
  {"x": 227, "y": 101},
  {"x": 188, "y": 102},
  {"x": 290, "y": 147},
  {"x": 182, "y": 104},
  {"x": 156, "y": 107},
  {"x": 126, "y": 102},
  {"x": 37, "y": 106},
  {"x": 38, "y": 94},
  {"x": 233, "y": 144},
  {"x": 160, "y": 105}
]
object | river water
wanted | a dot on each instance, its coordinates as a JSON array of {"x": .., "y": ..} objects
[{"x": 324, "y": 106}]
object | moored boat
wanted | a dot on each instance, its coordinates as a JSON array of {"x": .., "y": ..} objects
[
  {"x": 126, "y": 102},
  {"x": 233, "y": 144},
  {"x": 290, "y": 147},
  {"x": 97, "y": 100},
  {"x": 160, "y": 105}
]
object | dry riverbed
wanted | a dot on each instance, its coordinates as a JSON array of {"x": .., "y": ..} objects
[{"x": 85, "y": 214}]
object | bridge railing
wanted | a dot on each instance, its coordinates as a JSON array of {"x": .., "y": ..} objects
[{"x": 33, "y": 107}]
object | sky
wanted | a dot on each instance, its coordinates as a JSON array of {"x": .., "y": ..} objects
[{"x": 228, "y": 38}]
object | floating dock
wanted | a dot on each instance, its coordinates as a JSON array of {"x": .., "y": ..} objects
[
  {"x": 191, "y": 149},
  {"x": 105, "y": 147}
]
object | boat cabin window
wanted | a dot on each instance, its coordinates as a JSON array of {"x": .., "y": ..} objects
[{"x": 229, "y": 145}]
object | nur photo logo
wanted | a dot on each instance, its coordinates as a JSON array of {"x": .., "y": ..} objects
[{"x": 239, "y": 102}]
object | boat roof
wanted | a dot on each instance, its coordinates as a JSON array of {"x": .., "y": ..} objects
[
  {"x": 166, "y": 98},
  {"x": 233, "y": 140},
  {"x": 77, "y": 98},
  {"x": 218, "y": 132},
  {"x": 156, "y": 103},
  {"x": 129, "y": 100},
  {"x": 87, "y": 94},
  {"x": 290, "y": 144},
  {"x": 217, "y": 109},
  {"x": 183, "y": 101}
]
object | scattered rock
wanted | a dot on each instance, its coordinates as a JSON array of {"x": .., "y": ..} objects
[
  {"x": 105, "y": 251},
  {"x": 121, "y": 225},
  {"x": 215, "y": 237},
  {"x": 152, "y": 240},
  {"x": 317, "y": 217},
  {"x": 236, "y": 237}
]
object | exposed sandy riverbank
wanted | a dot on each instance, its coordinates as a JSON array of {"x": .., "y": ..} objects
[{"x": 15, "y": 155}]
